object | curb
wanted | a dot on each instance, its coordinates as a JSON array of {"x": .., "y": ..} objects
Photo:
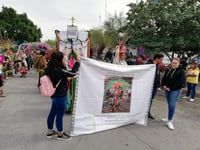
[{"x": 197, "y": 93}]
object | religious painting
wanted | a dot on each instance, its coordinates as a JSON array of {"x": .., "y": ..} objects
[{"x": 117, "y": 94}]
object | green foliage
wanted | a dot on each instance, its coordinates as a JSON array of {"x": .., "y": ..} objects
[
  {"x": 112, "y": 29},
  {"x": 168, "y": 26},
  {"x": 5, "y": 43},
  {"x": 110, "y": 34},
  {"x": 96, "y": 38},
  {"x": 17, "y": 26},
  {"x": 51, "y": 43}
]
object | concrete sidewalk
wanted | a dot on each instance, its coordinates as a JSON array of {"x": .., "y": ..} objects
[{"x": 24, "y": 111}]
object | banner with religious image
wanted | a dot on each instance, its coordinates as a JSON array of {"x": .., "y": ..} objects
[
  {"x": 72, "y": 32},
  {"x": 73, "y": 47},
  {"x": 109, "y": 96}
]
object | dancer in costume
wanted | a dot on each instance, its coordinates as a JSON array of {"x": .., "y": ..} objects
[
  {"x": 23, "y": 64},
  {"x": 116, "y": 92},
  {"x": 7, "y": 64},
  {"x": 120, "y": 54},
  {"x": 42, "y": 64},
  {"x": 1, "y": 75},
  {"x": 120, "y": 57}
]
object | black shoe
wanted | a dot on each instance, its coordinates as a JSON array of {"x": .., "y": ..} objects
[
  {"x": 63, "y": 136},
  {"x": 151, "y": 117},
  {"x": 51, "y": 133}
]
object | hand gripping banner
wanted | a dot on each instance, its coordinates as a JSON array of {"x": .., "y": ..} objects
[{"x": 109, "y": 96}]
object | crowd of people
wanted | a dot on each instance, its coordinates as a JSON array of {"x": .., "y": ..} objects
[
  {"x": 13, "y": 62},
  {"x": 53, "y": 65},
  {"x": 174, "y": 79}
]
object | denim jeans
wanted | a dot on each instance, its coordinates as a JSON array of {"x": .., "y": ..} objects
[
  {"x": 191, "y": 89},
  {"x": 57, "y": 111},
  {"x": 172, "y": 98}
]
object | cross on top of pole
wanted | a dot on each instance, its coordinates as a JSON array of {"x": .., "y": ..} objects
[{"x": 72, "y": 19}]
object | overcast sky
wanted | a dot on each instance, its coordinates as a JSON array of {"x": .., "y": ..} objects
[{"x": 55, "y": 14}]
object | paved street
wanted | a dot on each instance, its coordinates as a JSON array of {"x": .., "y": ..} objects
[{"x": 24, "y": 111}]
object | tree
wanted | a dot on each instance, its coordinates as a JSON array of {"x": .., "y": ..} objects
[
  {"x": 96, "y": 38},
  {"x": 111, "y": 33},
  {"x": 166, "y": 26},
  {"x": 17, "y": 26},
  {"x": 112, "y": 29},
  {"x": 51, "y": 43}
]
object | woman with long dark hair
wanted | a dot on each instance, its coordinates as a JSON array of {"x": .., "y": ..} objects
[{"x": 56, "y": 70}]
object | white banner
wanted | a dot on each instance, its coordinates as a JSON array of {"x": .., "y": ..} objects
[{"x": 110, "y": 96}]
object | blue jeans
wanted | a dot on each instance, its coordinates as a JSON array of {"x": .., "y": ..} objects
[
  {"x": 57, "y": 111},
  {"x": 191, "y": 89},
  {"x": 172, "y": 98}
]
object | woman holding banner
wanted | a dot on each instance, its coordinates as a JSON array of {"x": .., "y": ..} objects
[{"x": 57, "y": 72}]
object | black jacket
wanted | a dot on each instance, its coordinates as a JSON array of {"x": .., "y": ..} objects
[
  {"x": 61, "y": 74},
  {"x": 174, "y": 79},
  {"x": 157, "y": 75}
]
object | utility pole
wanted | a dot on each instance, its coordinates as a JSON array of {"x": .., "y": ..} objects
[
  {"x": 105, "y": 9},
  {"x": 99, "y": 20}
]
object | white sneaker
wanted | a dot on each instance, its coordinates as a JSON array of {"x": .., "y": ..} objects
[
  {"x": 191, "y": 99},
  {"x": 170, "y": 125},
  {"x": 164, "y": 119},
  {"x": 185, "y": 97}
]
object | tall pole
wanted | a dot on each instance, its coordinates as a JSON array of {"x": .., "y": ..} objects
[
  {"x": 99, "y": 20},
  {"x": 105, "y": 9}
]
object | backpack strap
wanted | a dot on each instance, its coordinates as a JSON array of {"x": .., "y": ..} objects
[{"x": 58, "y": 83}]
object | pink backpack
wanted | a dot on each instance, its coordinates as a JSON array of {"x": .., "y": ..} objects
[{"x": 46, "y": 87}]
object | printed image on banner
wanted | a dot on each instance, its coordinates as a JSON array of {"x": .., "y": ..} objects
[{"x": 117, "y": 94}]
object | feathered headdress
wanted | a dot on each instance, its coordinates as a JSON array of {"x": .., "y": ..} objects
[{"x": 120, "y": 49}]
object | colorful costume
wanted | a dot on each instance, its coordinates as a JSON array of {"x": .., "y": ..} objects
[
  {"x": 115, "y": 91},
  {"x": 41, "y": 68}
]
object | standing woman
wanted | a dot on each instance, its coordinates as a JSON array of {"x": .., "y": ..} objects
[
  {"x": 173, "y": 81},
  {"x": 56, "y": 70},
  {"x": 192, "y": 80}
]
